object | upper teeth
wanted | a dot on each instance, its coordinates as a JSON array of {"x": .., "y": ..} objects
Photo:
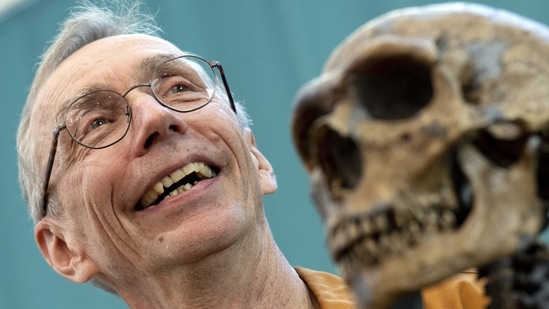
[{"x": 202, "y": 171}]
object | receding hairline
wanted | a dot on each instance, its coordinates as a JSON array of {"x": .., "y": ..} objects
[{"x": 170, "y": 48}]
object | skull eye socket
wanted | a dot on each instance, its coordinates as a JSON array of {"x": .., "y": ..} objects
[
  {"x": 391, "y": 88},
  {"x": 339, "y": 158}
]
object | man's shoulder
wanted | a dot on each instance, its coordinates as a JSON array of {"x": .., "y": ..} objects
[
  {"x": 463, "y": 290},
  {"x": 329, "y": 289}
]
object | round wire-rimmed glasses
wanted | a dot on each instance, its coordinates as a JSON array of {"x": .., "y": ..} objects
[{"x": 102, "y": 117}]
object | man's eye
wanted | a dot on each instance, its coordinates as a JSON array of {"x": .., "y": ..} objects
[
  {"x": 179, "y": 88},
  {"x": 97, "y": 123}
]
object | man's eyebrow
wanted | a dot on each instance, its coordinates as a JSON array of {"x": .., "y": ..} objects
[
  {"x": 87, "y": 90},
  {"x": 151, "y": 63}
]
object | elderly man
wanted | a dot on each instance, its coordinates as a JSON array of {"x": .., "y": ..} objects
[
  {"x": 143, "y": 177},
  {"x": 152, "y": 185}
]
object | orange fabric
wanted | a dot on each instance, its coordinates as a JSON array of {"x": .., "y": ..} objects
[
  {"x": 462, "y": 291},
  {"x": 330, "y": 290}
]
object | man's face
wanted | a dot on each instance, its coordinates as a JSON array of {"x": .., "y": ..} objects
[{"x": 101, "y": 189}]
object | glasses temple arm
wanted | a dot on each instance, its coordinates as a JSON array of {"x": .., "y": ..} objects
[
  {"x": 49, "y": 167},
  {"x": 217, "y": 64}
]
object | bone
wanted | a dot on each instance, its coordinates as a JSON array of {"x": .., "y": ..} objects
[
  {"x": 447, "y": 220},
  {"x": 437, "y": 102},
  {"x": 381, "y": 222}
]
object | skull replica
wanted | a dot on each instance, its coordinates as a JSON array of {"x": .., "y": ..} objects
[{"x": 426, "y": 138}]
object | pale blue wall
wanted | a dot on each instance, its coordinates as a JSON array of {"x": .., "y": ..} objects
[{"x": 268, "y": 48}]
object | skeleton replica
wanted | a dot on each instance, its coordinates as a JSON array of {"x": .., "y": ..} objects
[{"x": 426, "y": 138}]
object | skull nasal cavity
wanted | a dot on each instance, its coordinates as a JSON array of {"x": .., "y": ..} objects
[{"x": 392, "y": 88}]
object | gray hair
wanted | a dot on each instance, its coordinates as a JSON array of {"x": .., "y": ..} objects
[{"x": 86, "y": 23}]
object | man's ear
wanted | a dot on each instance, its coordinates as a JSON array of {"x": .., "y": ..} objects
[
  {"x": 266, "y": 173},
  {"x": 62, "y": 252}
]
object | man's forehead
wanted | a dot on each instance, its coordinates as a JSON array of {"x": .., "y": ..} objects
[{"x": 118, "y": 56}]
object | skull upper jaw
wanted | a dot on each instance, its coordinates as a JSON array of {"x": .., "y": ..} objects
[{"x": 380, "y": 275}]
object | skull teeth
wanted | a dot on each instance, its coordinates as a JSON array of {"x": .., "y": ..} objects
[
  {"x": 386, "y": 233},
  {"x": 394, "y": 230}
]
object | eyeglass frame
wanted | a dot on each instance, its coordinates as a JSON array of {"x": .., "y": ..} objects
[{"x": 57, "y": 131}]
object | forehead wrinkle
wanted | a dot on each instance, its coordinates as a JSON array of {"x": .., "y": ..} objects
[
  {"x": 151, "y": 63},
  {"x": 143, "y": 70}
]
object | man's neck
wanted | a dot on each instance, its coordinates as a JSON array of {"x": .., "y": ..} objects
[{"x": 229, "y": 279}]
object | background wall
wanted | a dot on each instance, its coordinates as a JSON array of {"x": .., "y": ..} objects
[{"x": 268, "y": 49}]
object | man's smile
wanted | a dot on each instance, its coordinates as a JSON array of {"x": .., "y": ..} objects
[{"x": 179, "y": 181}]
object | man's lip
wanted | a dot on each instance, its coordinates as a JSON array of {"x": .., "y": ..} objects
[{"x": 178, "y": 181}]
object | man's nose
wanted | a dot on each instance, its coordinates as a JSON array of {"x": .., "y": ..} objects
[{"x": 152, "y": 122}]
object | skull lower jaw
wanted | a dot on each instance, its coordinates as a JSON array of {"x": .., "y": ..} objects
[{"x": 436, "y": 256}]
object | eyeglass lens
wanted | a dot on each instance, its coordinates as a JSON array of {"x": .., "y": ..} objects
[{"x": 101, "y": 118}]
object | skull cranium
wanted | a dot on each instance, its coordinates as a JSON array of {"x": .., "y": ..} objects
[{"x": 426, "y": 138}]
